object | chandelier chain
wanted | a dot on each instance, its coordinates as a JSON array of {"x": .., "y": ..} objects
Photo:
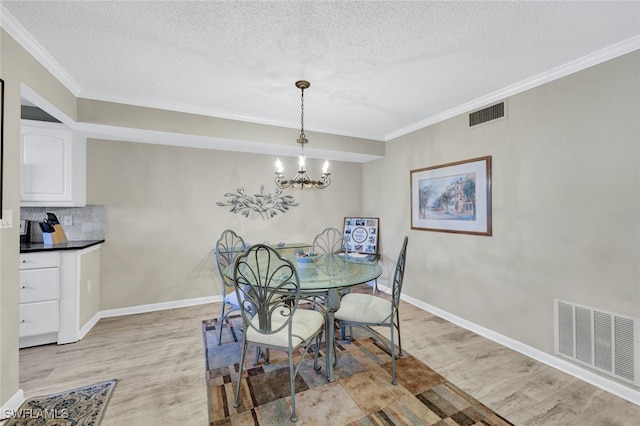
[
  {"x": 302, "y": 112},
  {"x": 303, "y": 137}
]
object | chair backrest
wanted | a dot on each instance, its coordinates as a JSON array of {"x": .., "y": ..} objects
[
  {"x": 330, "y": 264},
  {"x": 228, "y": 247},
  {"x": 269, "y": 287},
  {"x": 327, "y": 242},
  {"x": 398, "y": 275}
]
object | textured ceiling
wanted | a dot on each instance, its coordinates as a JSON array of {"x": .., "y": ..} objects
[{"x": 377, "y": 69}]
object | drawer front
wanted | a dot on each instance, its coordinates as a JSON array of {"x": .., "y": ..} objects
[
  {"x": 39, "y": 260},
  {"x": 38, "y": 285},
  {"x": 38, "y": 318}
]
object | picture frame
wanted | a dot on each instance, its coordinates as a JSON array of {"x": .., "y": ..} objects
[
  {"x": 361, "y": 234},
  {"x": 1, "y": 142},
  {"x": 453, "y": 197}
]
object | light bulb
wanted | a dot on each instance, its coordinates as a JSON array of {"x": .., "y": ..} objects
[
  {"x": 279, "y": 167},
  {"x": 325, "y": 167},
  {"x": 301, "y": 161}
]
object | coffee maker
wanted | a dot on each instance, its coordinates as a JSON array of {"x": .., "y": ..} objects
[
  {"x": 30, "y": 232},
  {"x": 25, "y": 231}
]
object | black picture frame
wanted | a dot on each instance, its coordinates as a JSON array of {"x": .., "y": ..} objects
[{"x": 361, "y": 234}]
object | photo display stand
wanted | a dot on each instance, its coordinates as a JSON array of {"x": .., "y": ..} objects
[{"x": 361, "y": 234}]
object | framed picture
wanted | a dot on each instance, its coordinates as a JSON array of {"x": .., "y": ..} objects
[
  {"x": 454, "y": 197},
  {"x": 361, "y": 234},
  {"x": 1, "y": 140}
]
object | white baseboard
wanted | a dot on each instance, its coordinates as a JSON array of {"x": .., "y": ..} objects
[
  {"x": 12, "y": 405},
  {"x": 140, "y": 309},
  {"x": 89, "y": 325},
  {"x": 603, "y": 383}
]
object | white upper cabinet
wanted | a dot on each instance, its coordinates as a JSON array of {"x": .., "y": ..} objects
[{"x": 53, "y": 165}]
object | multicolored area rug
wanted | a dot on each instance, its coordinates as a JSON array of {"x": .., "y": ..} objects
[
  {"x": 361, "y": 395},
  {"x": 77, "y": 407}
]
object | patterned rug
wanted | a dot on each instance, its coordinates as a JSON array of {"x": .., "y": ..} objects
[
  {"x": 77, "y": 407},
  {"x": 361, "y": 395}
]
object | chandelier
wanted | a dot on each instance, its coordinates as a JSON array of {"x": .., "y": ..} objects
[{"x": 301, "y": 178}]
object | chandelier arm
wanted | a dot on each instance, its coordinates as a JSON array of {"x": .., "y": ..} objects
[{"x": 303, "y": 181}]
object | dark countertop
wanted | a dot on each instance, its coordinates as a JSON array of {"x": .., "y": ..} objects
[{"x": 71, "y": 245}]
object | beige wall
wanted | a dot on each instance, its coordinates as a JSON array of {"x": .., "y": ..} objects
[
  {"x": 566, "y": 198},
  {"x": 162, "y": 219},
  {"x": 17, "y": 67},
  {"x": 9, "y": 237}
]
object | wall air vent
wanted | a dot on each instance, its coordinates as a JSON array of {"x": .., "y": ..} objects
[
  {"x": 489, "y": 113},
  {"x": 602, "y": 340}
]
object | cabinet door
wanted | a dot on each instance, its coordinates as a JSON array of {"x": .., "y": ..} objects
[
  {"x": 38, "y": 318},
  {"x": 53, "y": 166},
  {"x": 39, "y": 260},
  {"x": 38, "y": 285}
]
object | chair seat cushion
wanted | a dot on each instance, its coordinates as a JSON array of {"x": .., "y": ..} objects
[
  {"x": 304, "y": 325},
  {"x": 365, "y": 308}
]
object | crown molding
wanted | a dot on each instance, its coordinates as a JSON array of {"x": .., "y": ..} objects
[
  {"x": 595, "y": 58},
  {"x": 22, "y": 36}
]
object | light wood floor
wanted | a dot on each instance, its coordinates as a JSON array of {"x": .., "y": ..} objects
[{"x": 158, "y": 359}]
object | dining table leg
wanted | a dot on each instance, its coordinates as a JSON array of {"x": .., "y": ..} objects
[{"x": 332, "y": 303}]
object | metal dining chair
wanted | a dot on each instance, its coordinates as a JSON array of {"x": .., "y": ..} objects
[
  {"x": 269, "y": 288},
  {"x": 366, "y": 310},
  {"x": 228, "y": 248},
  {"x": 329, "y": 241},
  {"x": 332, "y": 241}
]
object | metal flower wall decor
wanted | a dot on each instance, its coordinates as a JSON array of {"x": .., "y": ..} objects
[{"x": 260, "y": 205}]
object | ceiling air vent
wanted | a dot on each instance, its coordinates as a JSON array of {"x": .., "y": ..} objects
[{"x": 489, "y": 113}]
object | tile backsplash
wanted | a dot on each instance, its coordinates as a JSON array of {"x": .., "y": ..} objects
[{"x": 87, "y": 222}]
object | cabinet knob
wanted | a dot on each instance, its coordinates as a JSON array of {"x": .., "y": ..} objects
[
  {"x": 23, "y": 286},
  {"x": 24, "y": 260},
  {"x": 23, "y": 321}
]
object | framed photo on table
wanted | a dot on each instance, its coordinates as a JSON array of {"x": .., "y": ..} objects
[
  {"x": 361, "y": 234},
  {"x": 453, "y": 197}
]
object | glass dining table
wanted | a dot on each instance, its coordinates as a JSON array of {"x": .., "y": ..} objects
[{"x": 329, "y": 276}]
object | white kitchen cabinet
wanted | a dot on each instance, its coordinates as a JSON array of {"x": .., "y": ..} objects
[
  {"x": 44, "y": 259},
  {"x": 59, "y": 295},
  {"x": 37, "y": 285},
  {"x": 53, "y": 165},
  {"x": 39, "y": 298},
  {"x": 39, "y": 323}
]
